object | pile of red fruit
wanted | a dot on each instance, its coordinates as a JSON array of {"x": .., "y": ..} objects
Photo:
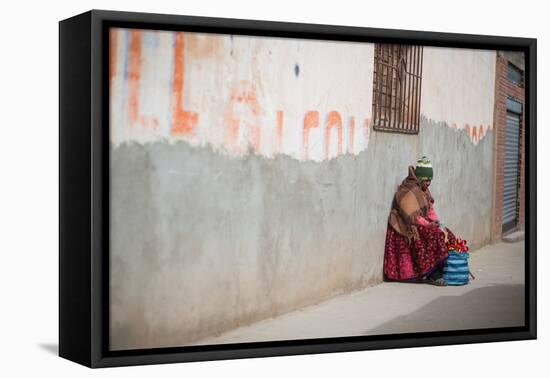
[{"x": 458, "y": 245}]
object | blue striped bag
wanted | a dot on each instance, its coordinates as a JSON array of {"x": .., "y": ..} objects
[{"x": 456, "y": 271}]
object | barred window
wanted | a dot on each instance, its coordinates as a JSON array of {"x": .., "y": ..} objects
[{"x": 397, "y": 88}]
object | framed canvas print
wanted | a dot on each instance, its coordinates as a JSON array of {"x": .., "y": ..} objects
[{"x": 235, "y": 188}]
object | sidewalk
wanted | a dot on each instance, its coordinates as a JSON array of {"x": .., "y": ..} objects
[{"x": 494, "y": 299}]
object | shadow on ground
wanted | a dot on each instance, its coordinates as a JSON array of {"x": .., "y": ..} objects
[
  {"x": 50, "y": 348},
  {"x": 486, "y": 307}
]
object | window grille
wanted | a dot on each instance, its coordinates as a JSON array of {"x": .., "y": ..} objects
[{"x": 397, "y": 88}]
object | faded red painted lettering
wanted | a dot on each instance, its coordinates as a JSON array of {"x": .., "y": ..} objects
[
  {"x": 474, "y": 134},
  {"x": 134, "y": 78},
  {"x": 244, "y": 97},
  {"x": 184, "y": 122},
  {"x": 333, "y": 120},
  {"x": 311, "y": 120},
  {"x": 134, "y": 74},
  {"x": 279, "y": 130},
  {"x": 112, "y": 53}
]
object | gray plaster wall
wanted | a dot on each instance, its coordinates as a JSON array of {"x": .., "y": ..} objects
[
  {"x": 202, "y": 243},
  {"x": 463, "y": 180}
]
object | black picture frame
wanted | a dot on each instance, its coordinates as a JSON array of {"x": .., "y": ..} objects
[{"x": 84, "y": 194}]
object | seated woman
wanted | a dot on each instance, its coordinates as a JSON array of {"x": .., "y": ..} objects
[{"x": 415, "y": 243}]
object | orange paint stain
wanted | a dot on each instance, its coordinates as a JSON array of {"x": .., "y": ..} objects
[
  {"x": 245, "y": 93},
  {"x": 112, "y": 53},
  {"x": 134, "y": 78},
  {"x": 232, "y": 126},
  {"x": 243, "y": 108},
  {"x": 474, "y": 134},
  {"x": 149, "y": 123},
  {"x": 311, "y": 120},
  {"x": 184, "y": 122},
  {"x": 204, "y": 46},
  {"x": 351, "y": 133},
  {"x": 255, "y": 138},
  {"x": 279, "y": 130},
  {"x": 134, "y": 74},
  {"x": 333, "y": 120}
]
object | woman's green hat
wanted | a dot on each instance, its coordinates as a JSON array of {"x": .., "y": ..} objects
[{"x": 424, "y": 170}]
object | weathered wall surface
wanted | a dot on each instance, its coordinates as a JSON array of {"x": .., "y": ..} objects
[
  {"x": 458, "y": 89},
  {"x": 300, "y": 98},
  {"x": 202, "y": 243},
  {"x": 458, "y": 92},
  {"x": 462, "y": 184},
  {"x": 232, "y": 205}
]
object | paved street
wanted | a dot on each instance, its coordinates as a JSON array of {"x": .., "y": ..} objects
[{"x": 494, "y": 299}]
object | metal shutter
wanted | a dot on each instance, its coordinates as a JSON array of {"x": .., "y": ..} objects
[{"x": 511, "y": 171}]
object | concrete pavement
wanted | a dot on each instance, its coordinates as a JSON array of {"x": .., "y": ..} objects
[{"x": 494, "y": 299}]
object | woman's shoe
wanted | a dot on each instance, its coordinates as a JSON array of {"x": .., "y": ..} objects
[{"x": 436, "y": 282}]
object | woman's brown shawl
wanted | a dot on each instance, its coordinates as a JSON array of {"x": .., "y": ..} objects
[{"x": 409, "y": 202}]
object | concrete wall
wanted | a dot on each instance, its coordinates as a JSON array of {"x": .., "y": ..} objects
[{"x": 246, "y": 180}]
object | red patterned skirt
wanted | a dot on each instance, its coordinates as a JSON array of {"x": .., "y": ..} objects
[{"x": 404, "y": 262}]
